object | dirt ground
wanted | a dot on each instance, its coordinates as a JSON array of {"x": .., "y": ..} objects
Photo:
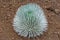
[{"x": 8, "y": 10}]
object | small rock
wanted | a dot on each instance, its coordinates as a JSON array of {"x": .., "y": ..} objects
[
  {"x": 57, "y": 10},
  {"x": 12, "y": 37},
  {"x": 49, "y": 38},
  {"x": 56, "y": 32},
  {"x": 4, "y": 6},
  {"x": 47, "y": 1},
  {"x": 0, "y": 29}
]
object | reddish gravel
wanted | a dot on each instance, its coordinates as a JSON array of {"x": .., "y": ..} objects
[{"x": 8, "y": 10}]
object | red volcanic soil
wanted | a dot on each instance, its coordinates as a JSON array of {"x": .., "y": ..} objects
[{"x": 8, "y": 10}]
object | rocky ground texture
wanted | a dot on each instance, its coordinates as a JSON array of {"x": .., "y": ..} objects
[{"x": 8, "y": 10}]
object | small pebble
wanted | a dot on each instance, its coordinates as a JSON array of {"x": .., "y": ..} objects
[
  {"x": 0, "y": 29},
  {"x": 56, "y": 32},
  {"x": 12, "y": 37},
  {"x": 49, "y": 38},
  {"x": 4, "y": 6},
  {"x": 57, "y": 10},
  {"x": 47, "y": 1}
]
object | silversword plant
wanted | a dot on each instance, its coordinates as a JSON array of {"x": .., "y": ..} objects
[{"x": 30, "y": 20}]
